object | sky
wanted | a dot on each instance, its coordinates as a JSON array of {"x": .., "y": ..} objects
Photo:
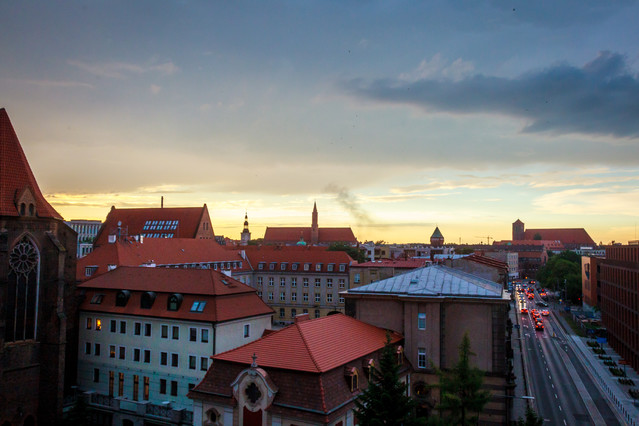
[{"x": 393, "y": 116}]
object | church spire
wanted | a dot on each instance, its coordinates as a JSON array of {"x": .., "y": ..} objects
[{"x": 314, "y": 226}]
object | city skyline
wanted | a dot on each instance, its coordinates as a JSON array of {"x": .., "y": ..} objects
[{"x": 394, "y": 118}]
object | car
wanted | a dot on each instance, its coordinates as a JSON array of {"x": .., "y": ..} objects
[
  {"x": 530, "y": 296},
  {"x": 539, "y": 326},
  {"x": 545, "y": 313},
  {"x": 524, "y": 310}
]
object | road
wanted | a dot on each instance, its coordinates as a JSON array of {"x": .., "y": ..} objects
[{"x": 564, "y": 392}]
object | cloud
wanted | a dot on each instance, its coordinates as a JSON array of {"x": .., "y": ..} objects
[
  {"x": 349, "y": 203},
  {"x": 439, "y": 68},
  {"x": 599, "y": 98},
  {"x": 122, "y": 70},
  {"x": 591, "y": 201},
  {"x": 155, "y": 89},
  {"x": 51, "y": 83}
]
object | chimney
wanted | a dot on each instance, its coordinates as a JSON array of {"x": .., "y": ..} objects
[
  {"x": 301, "y": 317},
  {"x": 162, "y": 202}
]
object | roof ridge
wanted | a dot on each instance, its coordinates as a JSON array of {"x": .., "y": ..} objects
[{"x": 308, "y": 349}]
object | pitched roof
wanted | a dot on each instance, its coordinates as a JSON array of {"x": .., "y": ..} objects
[
  {"x": 134, "y": 220},
  {"x": 565, "y": 235},
  {"x": 226, "y": 297},
  {"x": 291, "y": 235},
  {"x": 315, "y": 346},
  {"x": 433, "y": 281},
  {"x": 158, "y": 251},
  {"x": 488, "y": 261},
  {"x": 437, "y": 233},
  {"x": 16, "y": 174},
  {"x": 290, "y": 254}
]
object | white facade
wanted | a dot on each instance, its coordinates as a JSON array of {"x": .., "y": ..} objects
[{"x": 167, "y": 356}]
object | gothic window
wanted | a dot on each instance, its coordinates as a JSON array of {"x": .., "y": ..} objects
[{"x": 22, "y": 294}]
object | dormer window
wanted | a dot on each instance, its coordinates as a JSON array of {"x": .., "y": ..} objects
[
  {"x": 122, "y": 297},
  {"x": 369, "y": 366},
  {"x": 23, "y": 208},
  {"x": 272, "y": 266},
  {"x": 31, "y": 210},
  {"x": 307, "y": 266},
  {"x": 400, "y": 355},
  {"x": 90, "y": 270},
  {"x": 352, "y": 377},
  {"x": 295, "y": 266},
  {"x": 147, "y": 300},
  {"x": 175, "y": 300},
  {"x": 318, "y": 267},
  {"x": 342, "y": 267},
  {"x": 283, "y": 266},
  {"x": 330, "y": 267}
]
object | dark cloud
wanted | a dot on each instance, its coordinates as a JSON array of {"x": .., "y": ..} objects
[{"x": 600, "y": 98}]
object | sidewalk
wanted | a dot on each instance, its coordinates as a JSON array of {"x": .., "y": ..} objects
[
  {"x": 521, "y": 381},
  {"x": 617, "y": 393}
]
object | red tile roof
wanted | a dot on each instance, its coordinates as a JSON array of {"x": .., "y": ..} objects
[
  {"x": 299, "y": 254},
  {"x": 565, "y": 235},
  {"x": 16, "y": 174},
  {"x": 133, "y": 221},
  {"x": 160, "y": 251},
  {"x": 226, "y": 298},
  {"x": 489, "y": 261},
  {"x": 291, "y": 235},
  {"x": 315, "y": 346}
]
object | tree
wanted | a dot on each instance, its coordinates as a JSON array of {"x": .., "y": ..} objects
[
  {"x": 532, "y": 419},
  {"x": 461, "y": 396},
  {"x": 354, "y": 252},
  {"x": 384, "y": 401},
  {"x": 563, "y": 268}
]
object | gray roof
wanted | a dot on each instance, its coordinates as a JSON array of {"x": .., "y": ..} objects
[{"x": 434, "y": 281}]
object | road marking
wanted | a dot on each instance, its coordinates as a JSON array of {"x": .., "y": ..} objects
[
  {"x": 565, "y": 422},
  {"x": 560, "y": 408},
  {"x": 556, "y": 396},
  {"x": 553, "y": 386}
]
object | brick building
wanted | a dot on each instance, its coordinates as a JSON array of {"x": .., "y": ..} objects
[{"x": 38, "y": 326}]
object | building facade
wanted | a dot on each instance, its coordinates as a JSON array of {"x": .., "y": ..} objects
[
  {"x": 87, "y": 230},
  {"x": 147, "y": 335}
]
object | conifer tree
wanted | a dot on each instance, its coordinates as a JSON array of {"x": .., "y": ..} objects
[
  {"x": 461, "y": 396},
  {"x": 384, "y": 402}
]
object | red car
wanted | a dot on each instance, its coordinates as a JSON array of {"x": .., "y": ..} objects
[{"x": 524, "y": 310}]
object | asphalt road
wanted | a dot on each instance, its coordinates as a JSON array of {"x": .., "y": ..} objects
[{"x": 564, "y": 393}]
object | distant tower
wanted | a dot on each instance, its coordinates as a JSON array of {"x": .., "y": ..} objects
[
  {"x": 437, "y": 239},
  {"x": 518, "y": 230},
  {"x": 245, "y": 237},
  {"x": 314, "y": 227}
]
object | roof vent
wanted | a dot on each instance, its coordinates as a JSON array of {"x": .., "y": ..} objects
[{"x": 414, "y": 280}]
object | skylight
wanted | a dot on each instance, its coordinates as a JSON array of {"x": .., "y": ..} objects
[{"x": 198, "y": 306}]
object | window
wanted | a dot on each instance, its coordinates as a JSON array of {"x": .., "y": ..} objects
[
  {"x": 147, "y": 356},
  {"x": 317, "y": 297},
  {"x": 89, "y": 323},
  {"x": 421, "y": 321},
  {"x": 293, "y": 297},
  {"x": 192, "y": 362},
  {"x": 293, "y": 312},
  {"x": 111, "y": 351},
  {"x": 317, "y": 313},
  {"x": 97, "y": 299},
  {"x": 260, "y": 280},
  {"x": 356, "y": 278},
  {"x": 341, "y": 299},
  {"x": 270, "y": 296},
  {"x": 270, "y": 281},
  {"x": 114, "y": 326},
  {"x": 174, "y": 388},
  {"x": 282, "y": 312},
  {"x": 305, "y": 297},
  {"x": 165, "y": 331},
  {"x": 272, "y": 266},
  {"x": 283, "y": 266},
  {"x": 111, "y": 382},
  {"x": 204, "y": 336},
  {"x": 137, "y": 329},
  {"x": 164, "y": 358},
  {"x": 136, "y": 355},
  {"x": 147, "y": 329},
  {"x": 307, "y": 266},
  {"x": 329, "y": 282},
  {"x": 122, "y": 327},
  {"x": 174, "y": 302},
  {"x": 247, "y": 330},
  {"x": 198, "y": 306},
  {"x": 329, "y": 298},
  {"x": 342, "y": 283},
  {"x": 175, "y": 332},
  {"x": 90, "y": 270},
  {"x": 145, "y": 394},
  {"x": 204, "y": 363},
  {"x": 282, "y": 282},
  {"x": 295, "y": 266},
  {"x": 305, "y": 281},
  {"x": 87, "y": 348},
  {"x": 96, "y": 349},
  {"x": 174, "y": 360},
  {"x": 305, "y": 311},
  {"x": 163, "y": 386},
  {"x": 352, "y": 376},
  {"x": 122, "y": 352},
  {"x": 421, "y": 357},
  {"x": 146, "y": 302},
  {"x": 330, "y": 267},
  {"x": 120, "y": 384},
  {"x": 342, "y": 267},
  {"x": 283, "y": 296},
  {"x": 318, "y": 282},
  {"x": 294, "y": 282},
  {"x": 318, "y": 267},
  {"x": 122, "y": 297},
  {"x": 136, "y": 382},
  {"x": 192, "y": 334},
  {"x": 260, "y": 266}
]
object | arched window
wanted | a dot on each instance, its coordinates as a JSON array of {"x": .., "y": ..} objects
[
  {"x": 21, "y": 316},
  {"x": 22, "y": 209},
  {"x": 213, "y": 417},
  {"x": 147, "y": 300},
  {"x": 175, "y": 300},
  {"x": 122, "y": 297},
  {"x": 31, "y": 210}
]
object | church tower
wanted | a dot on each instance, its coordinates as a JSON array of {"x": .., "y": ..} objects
[
  {"x": 314, "y": 227},
  {"x": 245, "y": 237},
  {"x": 518, "y": 230},
  {"x": 38, "y": 330}
]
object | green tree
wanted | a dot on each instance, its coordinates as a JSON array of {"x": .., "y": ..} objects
[
  {"x": 354, "y": 252},
  {"x": 532, "y": 419},
  {"x": 461, "y": 395},
  {"x": 563, "y": 272},
  {"x": 384, "y": 401}
]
